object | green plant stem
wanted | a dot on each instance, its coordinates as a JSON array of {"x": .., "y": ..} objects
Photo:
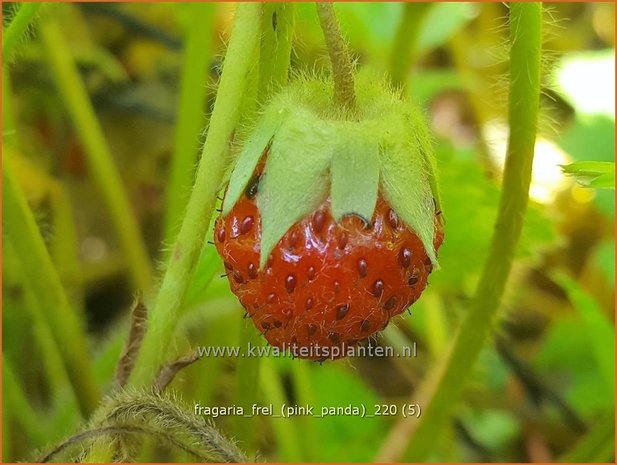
[
  {"x": 62, "y": 320},
  {"x": 8, "y": 113},
  {"x": 198, "y": 52},
  {"x": 7, "y": 439},
  {"x": 342, "y": 69},
  {"x": 16, "y": 405},
  {"x": 247, "y": 377},
  {"x": 275, "y": 51},
  {"x": 18, "y": 27},
  {"x": 48, "y": 350},
  {"x": 305, "y": 395},
  {"x": 105, "y": 173},
  {"x": 63, "y": 248},
  {"x": 287, "y": 436},
  {"x": 442, "y": 389},
  {"x": 406, "y": 40},
  {"x": 164, "y": 313}
]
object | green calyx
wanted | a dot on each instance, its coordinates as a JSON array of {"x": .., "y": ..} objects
[{"x": 317, "y": 148}]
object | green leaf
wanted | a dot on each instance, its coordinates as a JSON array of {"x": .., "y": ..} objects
[
  {"x": 442, "y": 22},
  {"x": 251, "y": 154},
  {"x": 423, "y": 140},
  {"x": 598, "y": 174},
  {"x": 355, "y": 177},
  {"x": 344, "y": 437},
  {"x": 406, "y": 184},
  {"x": 599, "y": 330},
  {"x": 295, "y": 177}
]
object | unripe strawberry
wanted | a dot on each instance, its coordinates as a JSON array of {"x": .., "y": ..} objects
[{"x": 331, "y": 220}]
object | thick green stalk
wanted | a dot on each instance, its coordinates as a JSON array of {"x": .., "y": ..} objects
[
  {"x": 438, "y": 394},
  {"x": 198, "y": 51},
  {"x": 18, "y": 27},
  {"x": 22, "y": 231},
  {"x": 100, "y": 159},
  {"x": 405, "y": 41},
  {"x": 239, "y": 58}
]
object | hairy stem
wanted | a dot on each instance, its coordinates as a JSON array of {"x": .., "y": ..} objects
[
  {"x": 123, "y": 430},
  {"x": 198, "y": 52},
  {"x": 98, "y": 153},
  {"x": 342, "y": 68},
  {"x": 444, "y": 386},
  {"x": 275, "y": 51},
  {"x": 164, "y": 414},
  {"x": 18, "y": 26},
  {"x": 164, "y": 313}
]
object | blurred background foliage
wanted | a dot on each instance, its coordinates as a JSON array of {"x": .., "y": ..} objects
[{"x": 543, "y": 389}]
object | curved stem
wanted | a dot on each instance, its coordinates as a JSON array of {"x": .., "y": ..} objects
[
  {"x": 342, "y": 68},
  {"x": 18, "y": 27},
  {"x": 445, "y": 384},
  {"x": 198, "y": 51},
  {"x": 164, "y": 313}
]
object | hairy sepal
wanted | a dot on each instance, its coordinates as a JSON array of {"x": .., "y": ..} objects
[
  {"x": 355, "y": 175},
  {"x": 406, "y": 183},
  {"x": 250, "y": 155},
  {"x": 295, "y": 179},
  {"x": 317, "y": 149}
]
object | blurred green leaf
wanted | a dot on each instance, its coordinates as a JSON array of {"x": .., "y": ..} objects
[
  {"x": 443, "y": 21},
  {"x": 564, "y": 359},
  {"x": 598, "y": 174},
  {"x": 470, "y": 201},
  {"x": 599, "y": 330},
  {"x": 344, "y": 437},
  {"x": 428, "y": 84},
  {"x": 494, "y": 429},
  {"x": 604, "y": 259},
  {"x": 592, "y": 138}
]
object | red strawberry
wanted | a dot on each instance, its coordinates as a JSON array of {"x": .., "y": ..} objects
[
  {"x": 325, "y": 284},
  {"x": 330, "y": 223}
]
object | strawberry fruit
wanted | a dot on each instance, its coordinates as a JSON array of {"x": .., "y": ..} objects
[{"x": 331, "y": 222}]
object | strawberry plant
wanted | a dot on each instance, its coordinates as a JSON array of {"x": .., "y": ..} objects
[{"x": 359, "y": 161}]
